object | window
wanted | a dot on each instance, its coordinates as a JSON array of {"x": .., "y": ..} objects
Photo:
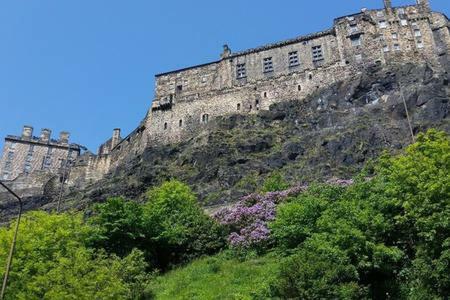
[
  {"x": 403, "y": 22},
  {"x": 419, "y": 44},
  {"x": 5, "y": 175},
  {"x": 317, "y": 53},
  {"x": 353, "y": 27},
  {"x": 293, "y": 59},
  {"x": 165, "y": 125},
  {"x": 394, "y": 35},
  {"x": 386, "y": 48},
  {"x": 179, "y": 88},
  {"x": 257, "y": 104},
  {"x": 265, "y": 94},
  {"x": 47, "y": 162},
  {"x": 397, "y": 47},
  {"x": 310, "y": 76},
  {"x": 205, "y": 118},
  {"x": 238, "y": 106},
  {"x": 417, "y": 33},
  {"x": 299, "y": 87},
  {"x": 382, "y": 24},
  {"x": 10, "y": 155},
  {"x": 180, "y": 123},
  {"x": 380, "y": 13},
  {"x": 12, "y": 146},
  {"x": 267, "y": 65},
  {"x": 356, "y": 41},
  {"x": 240, "y": 71}
]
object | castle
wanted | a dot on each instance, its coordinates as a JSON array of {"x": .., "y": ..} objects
[{"x": 249, "y": 81}]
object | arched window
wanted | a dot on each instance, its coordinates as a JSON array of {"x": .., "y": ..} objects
[
  {"x": 299, "y": 87},
  {"x": 205, "y": 118},
  {"x": 310, "y": 76},
  {"x": 238, "y": 106},
  {"x": 265, "y": 94},
  {"x": 180, "y": 123},
  {"x": 165, "y": 125},
  {"x": 257, "y": 104}
]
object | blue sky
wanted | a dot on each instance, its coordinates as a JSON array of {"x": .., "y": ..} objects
[{"x": 88, "y": 66}]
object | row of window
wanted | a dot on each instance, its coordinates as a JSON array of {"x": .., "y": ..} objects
[
  {"x": 293, "y": 61},
  {"x": 204, "y": 119}
]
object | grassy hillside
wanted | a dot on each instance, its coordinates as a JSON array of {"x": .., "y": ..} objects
[{"x": 219, "y": 277}]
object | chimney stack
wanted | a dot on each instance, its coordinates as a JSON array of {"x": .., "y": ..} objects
[
  {"x": 27, "y": 132},
  {"x": 45, "y": 135},
  {"x": 424, "y": 5},
  {"x": 116, "y": 137},
  {"x": 64, "y": 137},
  {"x": 388, "y": 6}
]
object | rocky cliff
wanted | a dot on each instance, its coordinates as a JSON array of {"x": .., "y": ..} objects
[{"x": 331, "y": 133}]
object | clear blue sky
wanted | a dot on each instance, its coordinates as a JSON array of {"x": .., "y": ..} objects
[{"x": 88, "y": 66}]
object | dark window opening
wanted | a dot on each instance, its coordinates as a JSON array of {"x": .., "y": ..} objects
[
  {"x": 179, "y": 88},
  {"x": 310, "y": 76},
  {"x": 293, "y": 59},
  {"x": 165, "y": 126},
  {"x": 299, "y": 87},
  {"x": 180, "y": 123},
  {"x": 240, "y": 71},
  {"x": 317, "y": 53},
  {"x": 265, "y": 94},
  {"x": 267, "y": 65},
  {"x": 257, "y": 104},
  {"x": 238, "y": 106},
  {"x": 205, "y": 118}
]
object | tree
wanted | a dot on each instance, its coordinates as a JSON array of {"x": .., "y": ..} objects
[
  {"x": 177, "y": 226},
  {"x": 118, "y": 226},
  {"x": 51, "y": 261}
]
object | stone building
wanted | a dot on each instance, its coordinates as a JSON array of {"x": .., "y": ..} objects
[
  {"x": 249, "y": 81},
  {"x": 27, "y": 154}
]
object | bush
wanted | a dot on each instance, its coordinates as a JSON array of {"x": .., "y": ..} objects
[
  {"x": 177, "y": 226},
  {"x": 319, "y": 271}
]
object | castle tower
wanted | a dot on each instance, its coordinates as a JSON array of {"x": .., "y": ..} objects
[
  {"x": 388, "y": 6},
  {"x": 424, "y": 5}
]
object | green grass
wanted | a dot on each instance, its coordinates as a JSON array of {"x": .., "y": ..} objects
[{"x": 219, "y": 277}]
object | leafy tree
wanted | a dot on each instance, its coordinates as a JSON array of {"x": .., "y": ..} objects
[
  {"x": 177, "y": 226},
  {"x": 51, "y": 261},
  {"x": 118, "y": 226}
]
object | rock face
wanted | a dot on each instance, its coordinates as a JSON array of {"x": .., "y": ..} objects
[{"x": 331, "y": 133}]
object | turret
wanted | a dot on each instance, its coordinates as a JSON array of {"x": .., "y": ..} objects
[
  {"x": 27, "y": 132},
  {"x": 45, "y": 135},
  {"x": 226, "y": 51}
]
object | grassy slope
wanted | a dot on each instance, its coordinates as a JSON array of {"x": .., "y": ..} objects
[{"x": 218, "y": 277}]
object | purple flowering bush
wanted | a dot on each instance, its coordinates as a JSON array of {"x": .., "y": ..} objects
[{"x": 247, "y": 220}]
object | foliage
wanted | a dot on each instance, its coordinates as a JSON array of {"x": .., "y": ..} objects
[
  {"x": 177, "y": 227},
  {"x": 319, "y": 270},
  {"x": 219, "y": 277},
  {"x": 392, "y": 230},
  {"x": 118, "y": 226},
  {"x": 247, "y": 220},
  {"x": 275, "y": 182},
  {"x": 52, "y": 262}
]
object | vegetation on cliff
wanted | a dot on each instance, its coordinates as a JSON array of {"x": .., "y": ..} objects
[{"x": 384, "y": 236}]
